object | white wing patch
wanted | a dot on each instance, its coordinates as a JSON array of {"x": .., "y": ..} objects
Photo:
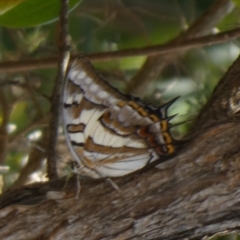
[
  {"x": 128, "y": 165},
  {"x": 77, "y": 137}
]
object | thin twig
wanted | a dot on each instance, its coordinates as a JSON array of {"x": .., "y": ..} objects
[
  {"x": 154, "y": 65},
  {"x": 26, "y": 65},
  {"x": 56, "y": 95},
  {"x": 4, "y": 105}
]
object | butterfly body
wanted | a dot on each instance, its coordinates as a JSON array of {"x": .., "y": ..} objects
[{"x": 110, "y": 134}]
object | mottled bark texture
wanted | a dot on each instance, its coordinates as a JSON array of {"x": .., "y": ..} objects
[{"x": 193, "y": 194}]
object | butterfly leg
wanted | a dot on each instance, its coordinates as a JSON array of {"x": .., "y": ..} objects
[
  {"x": 66, "y": 182},
  {"x": 78, "y": 186},
  {"x": 114, "y": 185}
]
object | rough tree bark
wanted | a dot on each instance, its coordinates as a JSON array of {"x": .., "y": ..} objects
[{"x": 194, "y": 194}]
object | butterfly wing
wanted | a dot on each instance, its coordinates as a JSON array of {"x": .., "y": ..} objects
[{"x": 110, "y": 134}]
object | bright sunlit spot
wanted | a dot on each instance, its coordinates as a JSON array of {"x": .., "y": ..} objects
[
  {"x": 38, "y": 176},
  {"x": 11, "y": 127},
  {"x": 35, "y": 135},
  {"x": 24, "y": 160}
]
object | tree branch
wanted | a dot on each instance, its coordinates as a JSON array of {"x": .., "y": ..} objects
[
  {"x": 155, "y": 64},
  {"x": 193, "y": 194},
  {"x": 224, "y": 103},
  {"x": 56, "y": 95},
  {"x": 171, "y": 47},
  {"x": 6, "y": 110}
]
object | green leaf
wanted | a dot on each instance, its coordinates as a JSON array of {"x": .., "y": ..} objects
[
  {"x": 20, "y": 116},
  {"x": 237, "y": 2},
  {"x": 33, "y": 12},
  {"x": 6, "y": 5}
]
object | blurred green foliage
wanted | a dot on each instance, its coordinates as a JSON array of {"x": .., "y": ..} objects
[
  {"x": 99, "y": 26},
  {"x": 30, "y": 13}
]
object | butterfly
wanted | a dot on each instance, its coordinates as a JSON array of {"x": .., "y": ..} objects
[{"x": 111, "y": 134}]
